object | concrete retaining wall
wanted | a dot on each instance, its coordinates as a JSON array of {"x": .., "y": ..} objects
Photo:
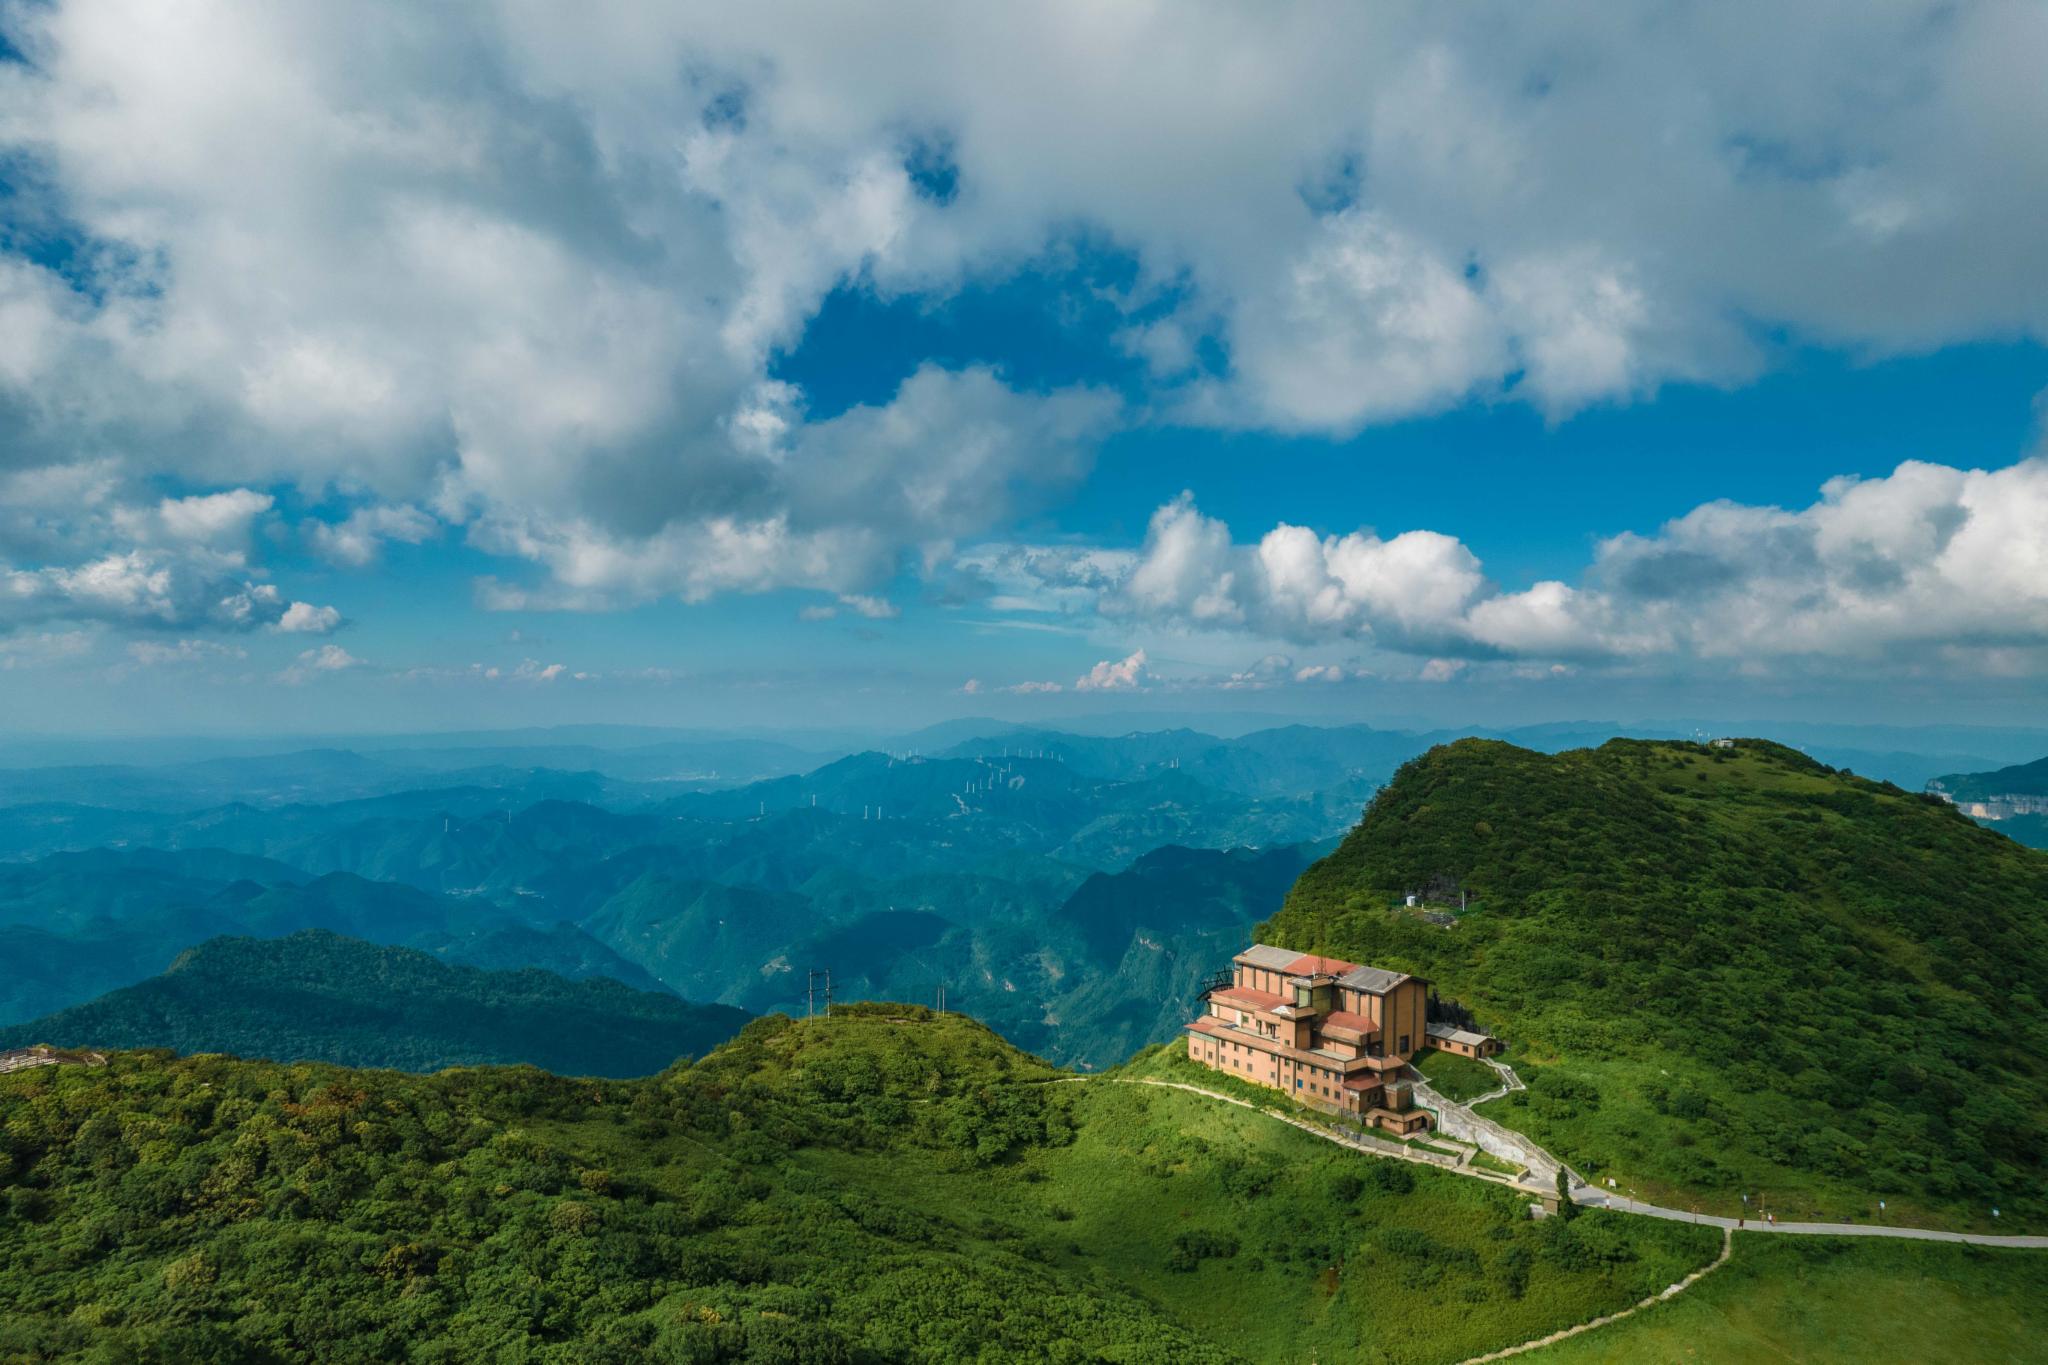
[{"x": 1456, "y": 1121}]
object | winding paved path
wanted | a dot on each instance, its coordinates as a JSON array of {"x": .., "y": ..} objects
[
  {"x": 1591, "y": 1196},
  {"x": 1594, "y": 1198}
]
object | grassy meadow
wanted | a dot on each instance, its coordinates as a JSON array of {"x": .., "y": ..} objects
[
  {"x": 1836, "y": 1301},
  {"x": 1456, "y": 1078}
]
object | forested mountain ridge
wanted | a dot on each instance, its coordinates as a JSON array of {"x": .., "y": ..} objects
[
  {"x": 318, "y": 996},
  {"x": 1005, "y": 870},
  {"x": 86, "y": 923},
  {"x": 2021, "y": 779},
  {"x": 1727, "y": 970},
  {"x": 898, "y": 875},
  {"x": 880, "y": 1185},
  {"x": 2012, "y": 800}
]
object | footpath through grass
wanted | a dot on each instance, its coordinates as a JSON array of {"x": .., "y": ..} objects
[
  {"x": 1169, "y": 1061},
  {"x": 1836, "y": 1301}
]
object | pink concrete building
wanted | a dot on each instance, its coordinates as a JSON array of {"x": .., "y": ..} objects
[{"x": 1330, "y": 1033}]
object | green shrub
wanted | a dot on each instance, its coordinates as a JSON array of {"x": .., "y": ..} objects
[{"x": 1190, "y": 1249}]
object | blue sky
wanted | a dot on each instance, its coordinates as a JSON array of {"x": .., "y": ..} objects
[{"x": 721, "y": 369}]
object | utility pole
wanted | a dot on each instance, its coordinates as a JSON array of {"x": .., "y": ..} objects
[
  {"x": 810, "y": 992},
  {"x": 828, "y": 992}
]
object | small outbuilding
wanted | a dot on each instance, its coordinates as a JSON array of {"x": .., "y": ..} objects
[{"x": 1464, "y": 1042}]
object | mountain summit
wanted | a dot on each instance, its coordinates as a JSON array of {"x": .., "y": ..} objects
[{"x": 1729, "y": 969}]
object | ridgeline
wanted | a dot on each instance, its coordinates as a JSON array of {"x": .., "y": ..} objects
[{"x": 317, "y": 996}]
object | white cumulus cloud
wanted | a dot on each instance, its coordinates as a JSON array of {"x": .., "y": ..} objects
[
  {"x": 1927, "y": 558},
  {"x": 529, "y": 272},
  {"x": 303, "y": 618},
  {"x": 318, "y": 662},
  {"x": 356, "y": 541},
  {"x": 1115, "y": 675}
]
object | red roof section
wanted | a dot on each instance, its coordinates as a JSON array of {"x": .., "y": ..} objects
[
  {"x": 1363, "y": 1082},
  {"x": 1245, "y": 995},
  {"x": 1310, "y": 965},
  {"x": 1344, "y": 1019}
]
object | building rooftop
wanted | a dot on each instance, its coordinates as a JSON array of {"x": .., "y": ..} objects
[
  {"x": 1457, "y": 1035},
  {"x": 1245, "y": 995},
  {"x": 1371, "y": 980},
  {"x": 1292, "y": 963},
  {"x": 1343, "y": 1021},
  {"x": 1272, "y": 959}
]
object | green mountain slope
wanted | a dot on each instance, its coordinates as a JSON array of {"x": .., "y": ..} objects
[
  {"x": 701, "y": 939},
  {"x": 1732, "y": 970},
  {"x": 316, "y": 995},
  {"x": 1118, "y": 963},
  {"x": 1835, "y": 1299},
  {"x": 75, "y": 925},
  {"x": 560, "y": 948},
  {"x": 2021, "y": 779},
  {"x": 47, "y": 971},
  {"x": 79, "y": 892},
  {"x": 880, "y": 1186}
]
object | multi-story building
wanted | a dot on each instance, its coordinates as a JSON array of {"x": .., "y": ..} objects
[{"x": 1332, "y": 1034}]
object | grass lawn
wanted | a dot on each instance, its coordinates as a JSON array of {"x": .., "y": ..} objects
[
  {"x": 1331, "y": 1255},
  {"x": 1456, "y": 1078},
  {"x": 1597, "y": 1113},
  {"x": 1491, "y": 1163},
  {"x": 1837, "y": 1299}
]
